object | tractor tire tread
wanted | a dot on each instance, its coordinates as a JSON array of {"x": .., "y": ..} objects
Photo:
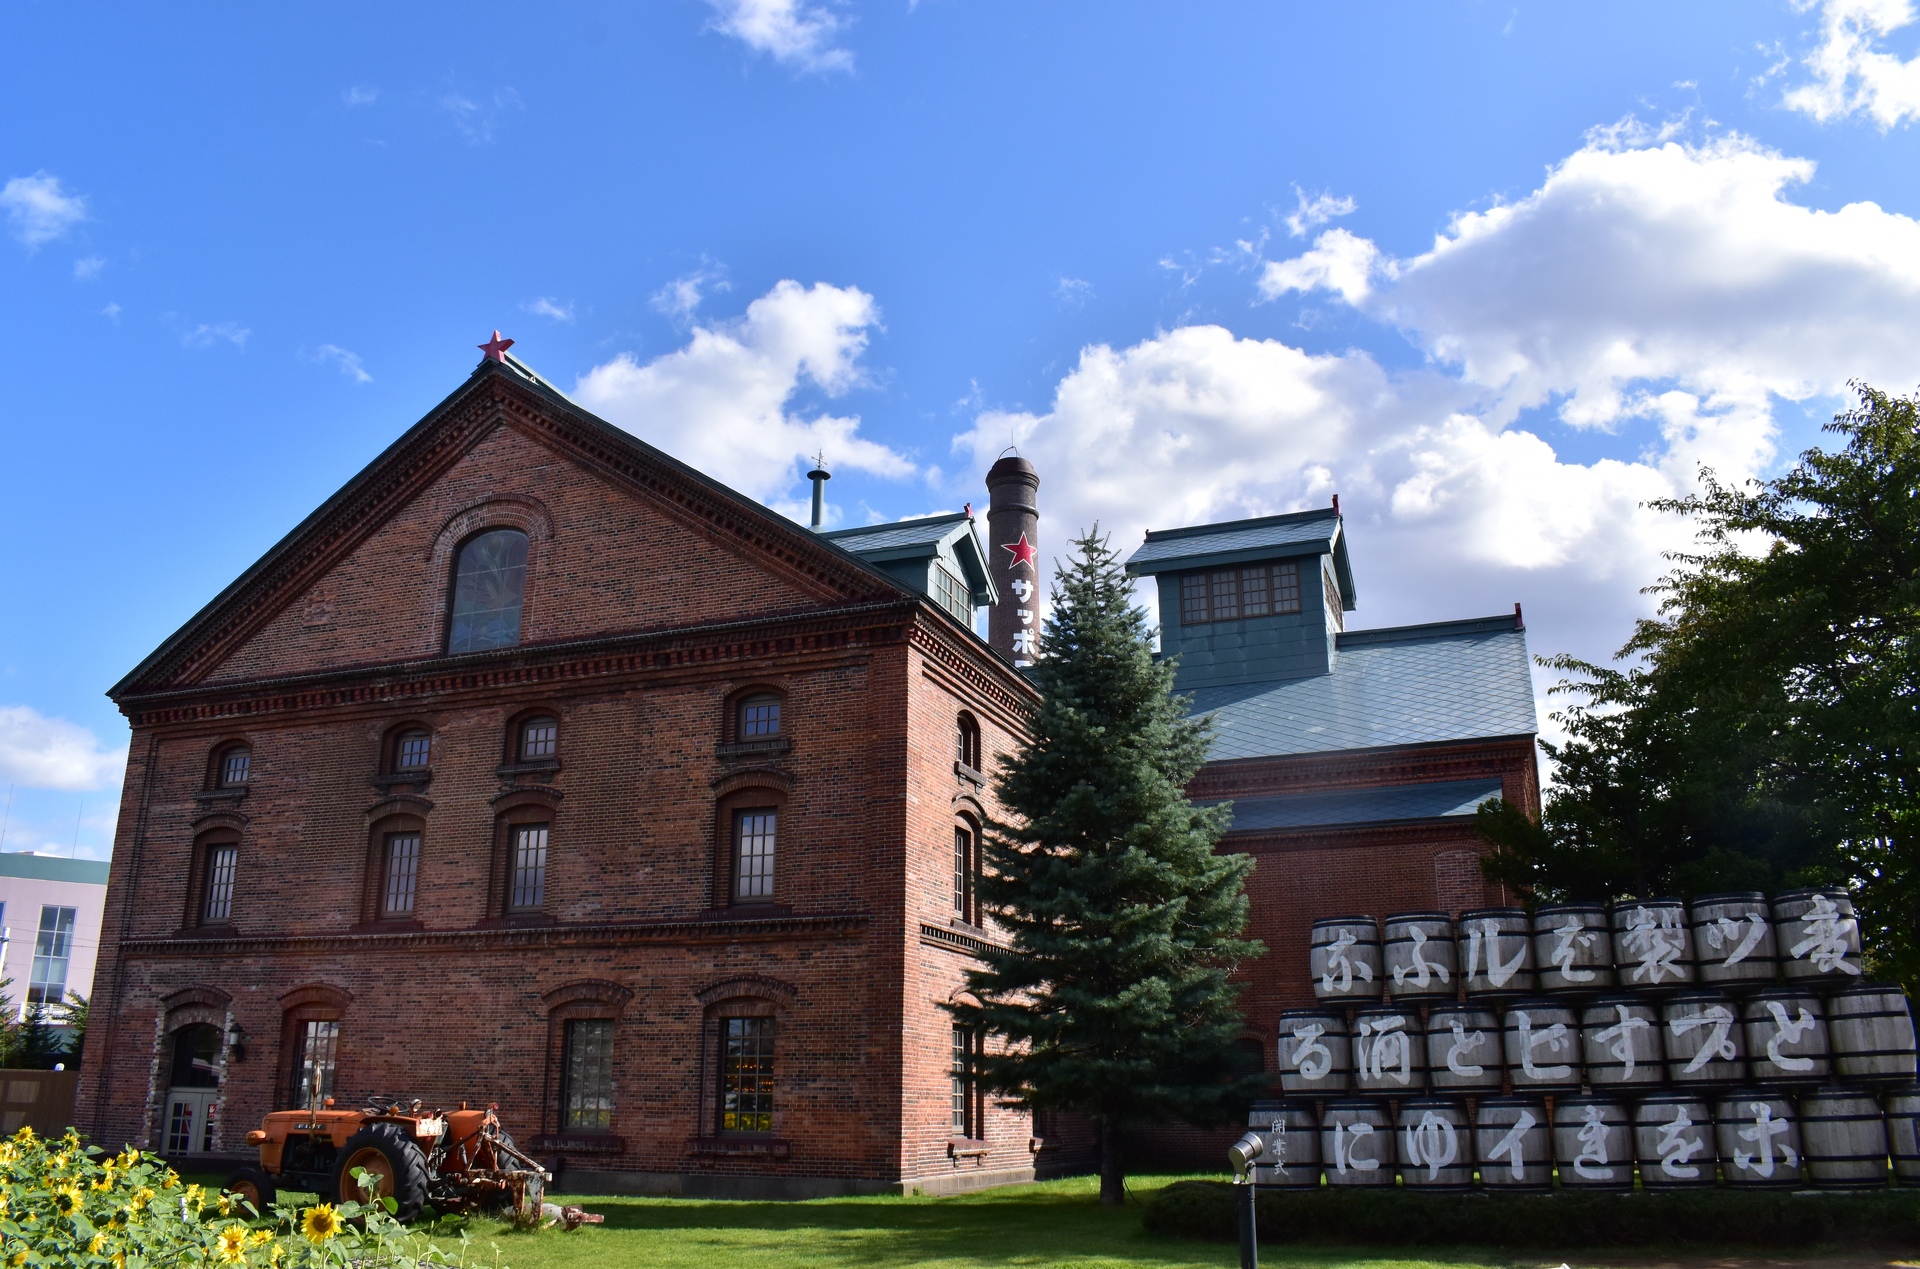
[{"x": 409, "y": 1167}]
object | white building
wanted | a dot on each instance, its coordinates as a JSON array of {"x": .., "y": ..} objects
[{"x": 50, "y": 915}]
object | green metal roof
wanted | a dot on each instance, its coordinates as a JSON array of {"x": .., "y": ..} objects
[
  {"x": 91, "y": 872},
  {"x": 1318, "y": 532}
]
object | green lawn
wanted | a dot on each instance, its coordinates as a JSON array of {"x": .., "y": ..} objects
[{"x": 1054, "y": 1224}]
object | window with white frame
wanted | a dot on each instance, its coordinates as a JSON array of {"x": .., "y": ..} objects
[
  {"x": 527, "y": 868},
  {"x": 754, "y": 832},
  {"x": 216, "y": 905},
  {"x": 52, "y": 950}
]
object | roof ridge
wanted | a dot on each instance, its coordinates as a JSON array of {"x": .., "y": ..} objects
[
  {"x": 1429, "y": 630},
  {"x": 1221, "y": 526},
  {"x": 945, "y": 517}
]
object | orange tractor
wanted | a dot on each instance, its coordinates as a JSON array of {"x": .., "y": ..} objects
[{"x": 457, "y": 1160}]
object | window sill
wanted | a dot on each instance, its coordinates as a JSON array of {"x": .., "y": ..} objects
[
  {"x": 534, "y": 766},
  {"x": 971, "y": 775},
  {"x": 579, "y": 1143},
  {"x": 967, "y": 1148},
  {"x": 744, "y": 1146},
  {"x": 392, "y": 780},
  {"x": 207, "y": 797},
  {"x": 772, "y": 746}
]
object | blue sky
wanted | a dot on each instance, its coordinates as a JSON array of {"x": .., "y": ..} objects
[{"x": 1494, "y": 273}]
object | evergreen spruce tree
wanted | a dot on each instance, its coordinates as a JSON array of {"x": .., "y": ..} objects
[{"x": 1112, "y": 997}]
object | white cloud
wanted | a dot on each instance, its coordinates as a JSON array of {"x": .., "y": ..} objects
[
  {"x": 1317, "y": 210},
  {"x": 722, "y": 402},
  {"x": 347, "y": 362},
  {"x": 547, "y": 306},
  {"x": 89, "y": 269},
  {"x": 478, "y": 119},
  {"x": 791, "y": 32},
  {"x": 1072, "y": 294},
  {"x": 1675, "y": 287},
  {"x": 39, "y": 210},
  {"x": 111, "y": 311},
  {"x": 37, "y": 752},
  {"x": 360, "y": 95},
  {"x": 207, "y": 334},
  {"x": 682, "y": 297},
  {"x": 1852, "y": 72}
]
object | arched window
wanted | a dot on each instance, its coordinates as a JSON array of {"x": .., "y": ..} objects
[
  {"x": 966, "y": 738},
  {"x": 412, "y": 750},
  {"x": 539, "y": 739},
  {"x": 966, "y": 871},
  {"x": 233, "y": 767},
  {"x": 489, "y": 585},
  {"x": 759, "y": 716}
]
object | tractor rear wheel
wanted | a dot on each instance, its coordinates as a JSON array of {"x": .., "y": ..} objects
[
  {"x": 256, "y": 1187},
  {"x": 398, "y": 1169}
]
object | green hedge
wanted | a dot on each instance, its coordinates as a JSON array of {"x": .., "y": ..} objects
[{"x": 1390, "y": 1218}]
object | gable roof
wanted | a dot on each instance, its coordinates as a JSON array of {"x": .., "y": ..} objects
[
  {"x": 1406, "y": 685},
  {"x": 493, "y": 392},
  {"x": 923, "y": 539},
  {"x": 1318, "y": 532}
]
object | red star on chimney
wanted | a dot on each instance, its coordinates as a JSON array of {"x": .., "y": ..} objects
[
  {"x": 496, "y": 348},
  {"x": 1023, "y": 551}
]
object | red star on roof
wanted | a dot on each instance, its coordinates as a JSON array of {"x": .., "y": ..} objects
[
  {"x": 496, "y": 348},
  {"x": 1023, "y": 551}
]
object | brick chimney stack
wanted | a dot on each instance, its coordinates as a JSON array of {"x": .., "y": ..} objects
[{"x": 1013, "y": 537}]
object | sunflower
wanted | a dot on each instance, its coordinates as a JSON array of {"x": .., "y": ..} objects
[
  {"x": 142, "y": 1196},
  {"x": 321, "y": 1224},
  {"x": 129, "y": 1157},
  {"x": 233, "y": 1244},
  {"x": 225, "y": 1204},
  {"x": 67, "y": 1200},
  {"x": 259, "y": 1236},
  {"x": 95, "y": 1243},
  {"x": 25, "y": 1136},
  {"x": 197, "y": 1196}
]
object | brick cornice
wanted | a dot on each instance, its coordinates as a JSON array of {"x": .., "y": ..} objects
[
  {"x": 487, "y": 673},
  {"x": 999, "y": 686},
  {"x": 827, "y": 925}
]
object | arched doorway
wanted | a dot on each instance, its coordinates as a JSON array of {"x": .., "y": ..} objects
[{"x": 193, "y": 1089}]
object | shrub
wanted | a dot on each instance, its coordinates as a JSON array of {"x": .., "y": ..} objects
[
  {"x": 63, "y": 1202},
  {"x": 1384, "y": 1218}
]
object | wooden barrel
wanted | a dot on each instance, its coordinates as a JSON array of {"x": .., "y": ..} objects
[
  {"x": 1593, "y": 1143},
  {"x": 1673, "y": 1139},
  {"x": 1542, "y": 1046},
  {"x": 1844, "y": 1138},
  {"x": 1356, "y": 1143},
  {"x": 1620, "y": 1039},
  {"x": 1903, "y": 1133},
  {"x": 1419, "y": 956},
  {"x": 1871, "y": 1028},
  {"x": 1343, "y": 957},
  {"x": 1573, "y": 947},
  {"x": 1704, "y": 1040},
  {"x": 1389, "y": 1051},
  {"x": 1316, "y": 1056},
  {"x": 1817, "y": 935},
  {"x": 1291, "y": 1160},
  {"x": 1512, "y": 1139},
  {"x": 1733, "y": 945},
  {"x": 1436, "y": 1144},
  {"x": 1759, "y": 1139},
  {"x": 1787, "y": 1037},
  {"x": 1651, "y": 946},
  {"x": 1495, "y": 948},
  {"x": 1464, "y": 1049}
]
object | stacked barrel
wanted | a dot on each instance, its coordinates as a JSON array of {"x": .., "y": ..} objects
[{"x": 1730, "y": 1040}]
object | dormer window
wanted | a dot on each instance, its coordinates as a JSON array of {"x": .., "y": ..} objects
[
  {"x": 489, "y": 587},
  {"x": 539, "y": 738},
  {"x": 760, "y": 717},
  {"x": 1229, "y": 594},
  {"x": 235, "y": 767},
  {"x": 411, "y": 750},
  {"x": 952, "y": 594}
]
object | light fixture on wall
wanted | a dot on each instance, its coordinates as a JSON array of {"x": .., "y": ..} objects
[{"x": 237, "y": 1041}]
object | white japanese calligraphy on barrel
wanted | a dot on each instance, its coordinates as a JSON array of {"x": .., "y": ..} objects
[
  {"x": 1759, "y": 1139},
  {"x": 1845, "y": 1139},
  {"x": 1704, "y": 1040},
  {"x": 1512, "y": 1140},
  {"x": 1733, "y": 944},
  {"x": 1673, "y": 1139},
  {"x": 1495, "y": 949},
  {"x": 1389, "y": 1050},
  {"x": 1593, "y": 1143},
  {"x": 1621, "y": 1039},
  {"x": 1542, "y": 1044},
  {"x": 1903, "y": 1133},
  {"x": 1651, "y": 945},
  {"x": 1573, "y": 947},
  {"x": 1817, "y": 934},
  {"x": 1872, "y": 1032},
  {"x": 1419, "y": 956},
  {"x": 1316, "y": 1055},
  {"x": 1464, "y": 1049},
  {"x": 1343, "y": 957},
  {"x": 1291, "y": 1160},
  {"x": 1436, "y": 1144},
  {"x": 1787, "y": 1037},
  {"x": 1356, "y": 1143}
]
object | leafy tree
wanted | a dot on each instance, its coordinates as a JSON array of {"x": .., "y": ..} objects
[
  {"x": 1770, "y": 730},
  {"x": 1123, "y": 926}
]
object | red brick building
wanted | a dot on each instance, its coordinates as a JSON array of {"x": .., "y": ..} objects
[{"x": 537, "y": 768}]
